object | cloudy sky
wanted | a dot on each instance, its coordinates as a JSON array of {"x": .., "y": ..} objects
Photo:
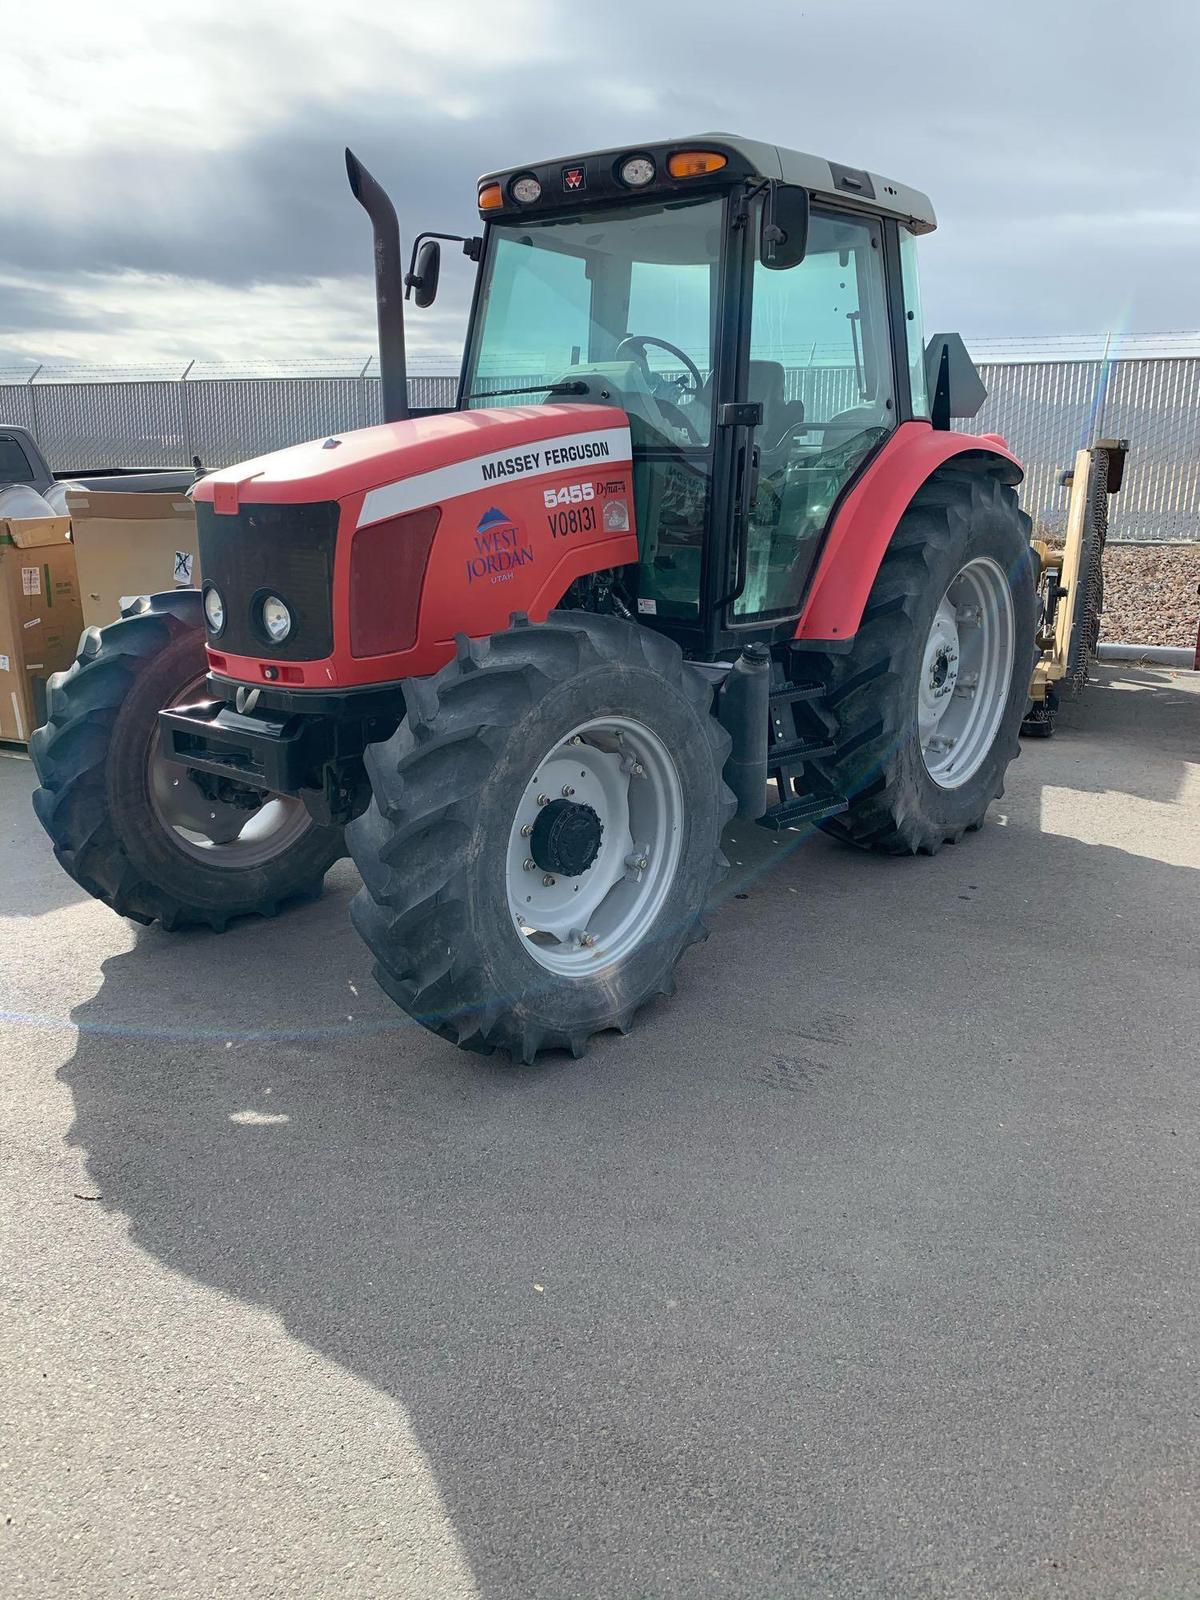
[{"x": 173, "y": 187}]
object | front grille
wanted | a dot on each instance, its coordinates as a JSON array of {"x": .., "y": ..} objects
[{"x": 267, "y": 549}]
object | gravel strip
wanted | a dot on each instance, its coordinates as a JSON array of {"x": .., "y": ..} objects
[{"x": 1150, "y": 594}]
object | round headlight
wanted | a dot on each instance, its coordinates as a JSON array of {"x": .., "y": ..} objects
[
  {"x": 636, "y": 171},
  {"x": 214, "y": 609},
  {"x": 276, "y": 619},
  {"x": 526, "y": 189}
]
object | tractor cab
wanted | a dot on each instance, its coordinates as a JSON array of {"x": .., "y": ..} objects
[{"x": 754, "y": 312}]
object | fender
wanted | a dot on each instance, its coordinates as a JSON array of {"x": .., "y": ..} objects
[{"x": 867, "y": 518}]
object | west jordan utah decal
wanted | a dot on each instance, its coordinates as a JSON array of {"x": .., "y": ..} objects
[{"x": 500, "y": 548}]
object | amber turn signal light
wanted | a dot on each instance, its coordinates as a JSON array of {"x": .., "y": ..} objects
[
  {"x": 694, "y": 163},
  {"x": 490, "y": 196}
]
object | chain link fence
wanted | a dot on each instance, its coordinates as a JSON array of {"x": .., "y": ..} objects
[{"x": 1045, "y": 409}]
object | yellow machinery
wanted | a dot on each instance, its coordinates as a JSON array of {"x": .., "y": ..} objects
[{"x": 1071, "y": 586}]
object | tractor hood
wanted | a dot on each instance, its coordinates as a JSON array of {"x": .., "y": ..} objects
[
  {"x": 380, "y": 545},
  {"x": 401, "y": 466}
]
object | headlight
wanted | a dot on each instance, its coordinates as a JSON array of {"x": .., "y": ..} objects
[
  {"x": 527, "y": 190},
  {"x": 636, "y": 171},
  {"x": 276, "y": 619},
  {"x": 214, "y": 609}
]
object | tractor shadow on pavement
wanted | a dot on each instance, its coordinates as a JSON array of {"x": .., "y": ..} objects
[{"x": 822, "y": 1251}]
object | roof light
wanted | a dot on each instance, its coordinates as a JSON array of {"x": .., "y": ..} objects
[
  {"x": 636, "y": 171},
  {"x": 526, "y": 189},
  {"x": 490, "y": 196},
  {"x": 694, "y": 163}
]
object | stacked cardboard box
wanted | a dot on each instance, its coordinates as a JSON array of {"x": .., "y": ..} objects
[
  {"x": 40, "y": 616},
  {"x": 128, "y": 544}
]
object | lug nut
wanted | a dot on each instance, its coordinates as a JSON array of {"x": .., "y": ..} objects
[
  {"x": 527, "y": 830},
  {"x": 543, "y": 799},
  {"x": 527, "y": 865},
  {"x": 567, "y": 791},
  {"x": 548, "y": 881}
]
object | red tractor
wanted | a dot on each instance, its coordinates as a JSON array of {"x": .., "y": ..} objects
[{"x": 698, "y": 537}]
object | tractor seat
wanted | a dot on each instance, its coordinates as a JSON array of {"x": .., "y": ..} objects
[{"x": 766, "y": 384}]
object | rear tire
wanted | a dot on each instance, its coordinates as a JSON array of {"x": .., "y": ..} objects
[
  {"x": 98, "y": 760},
  {"x": 456, "y": 800},
  {"x": 958, "y": 523}
]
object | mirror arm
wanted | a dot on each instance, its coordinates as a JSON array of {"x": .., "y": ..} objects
[{"x": 749, "y": 193}]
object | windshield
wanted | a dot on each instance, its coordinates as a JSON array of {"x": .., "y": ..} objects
[{"x": 616, "y": 304}]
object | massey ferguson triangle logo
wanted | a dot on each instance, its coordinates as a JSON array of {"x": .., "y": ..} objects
[
  {"x": 574, "y": 178},
  {"x": 500, "y": 548}
]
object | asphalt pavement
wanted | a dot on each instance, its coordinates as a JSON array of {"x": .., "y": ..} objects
[{"x": 867, "y": 1266}]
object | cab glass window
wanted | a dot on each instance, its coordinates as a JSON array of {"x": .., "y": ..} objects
[
  {"x": 615, "y": 305},
  {"x": 914, "y": 327},
  {"x": 821, "y": 367}
]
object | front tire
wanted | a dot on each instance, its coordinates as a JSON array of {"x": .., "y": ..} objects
[
  {"x": 543, "y": 834},
  {"x": 921, "y": 749},
  {"x": 136, "y": 830}
]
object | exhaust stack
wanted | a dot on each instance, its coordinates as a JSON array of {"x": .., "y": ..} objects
[{"x": 389, "y": 287}]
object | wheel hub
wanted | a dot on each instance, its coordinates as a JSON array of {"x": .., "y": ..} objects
[{"x": 566, "y": 838}]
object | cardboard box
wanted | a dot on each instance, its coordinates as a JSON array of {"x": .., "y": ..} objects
[
  {"x": 40, "y": 617},
  {"x": 129, "y": 544}
]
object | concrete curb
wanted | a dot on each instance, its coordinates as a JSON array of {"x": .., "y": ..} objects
[{"x": 1161, "y": 655}]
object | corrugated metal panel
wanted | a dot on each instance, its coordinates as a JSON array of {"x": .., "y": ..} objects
[
  {"x": 1045, "y": 409},
  {"x": 1048, "y": 409}
]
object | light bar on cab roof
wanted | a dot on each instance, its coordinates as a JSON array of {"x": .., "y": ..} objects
[{"x": 695, "y": 163}]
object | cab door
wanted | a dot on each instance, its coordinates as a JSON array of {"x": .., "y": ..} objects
[{"x": 820, "y": 364}]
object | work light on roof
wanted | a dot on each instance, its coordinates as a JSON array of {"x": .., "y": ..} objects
[
  {"x": 637, "y": 171},
  {"x": 526, "y": 190}
]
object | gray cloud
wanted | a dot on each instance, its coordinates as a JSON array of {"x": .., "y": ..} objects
[
  {"x": 34, "y": 306},
  {"x": 1059, "y": 146}
]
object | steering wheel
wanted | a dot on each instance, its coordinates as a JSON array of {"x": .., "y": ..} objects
[{"x": 636, "y": 344}]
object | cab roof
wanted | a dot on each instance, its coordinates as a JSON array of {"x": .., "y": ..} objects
[{"x": 747, "y": 158}]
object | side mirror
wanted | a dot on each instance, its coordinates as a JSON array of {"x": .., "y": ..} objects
[
  {"x": 424, "y": 278},
  {"x": 955, "y": 387},
  {"x": 783, "y": 233}
]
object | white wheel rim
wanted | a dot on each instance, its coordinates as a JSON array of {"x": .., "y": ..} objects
[
  {"x": 577, "y": 925},
  {"x": 966, "y": 673}
]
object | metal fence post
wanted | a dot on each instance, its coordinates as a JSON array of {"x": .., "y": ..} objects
[
  {"x": 34, "y": 426},
  {"x": 361, "y": 392},
  {"x": 185, "y": 414},
  {"x": 1099, "y": 397}
]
